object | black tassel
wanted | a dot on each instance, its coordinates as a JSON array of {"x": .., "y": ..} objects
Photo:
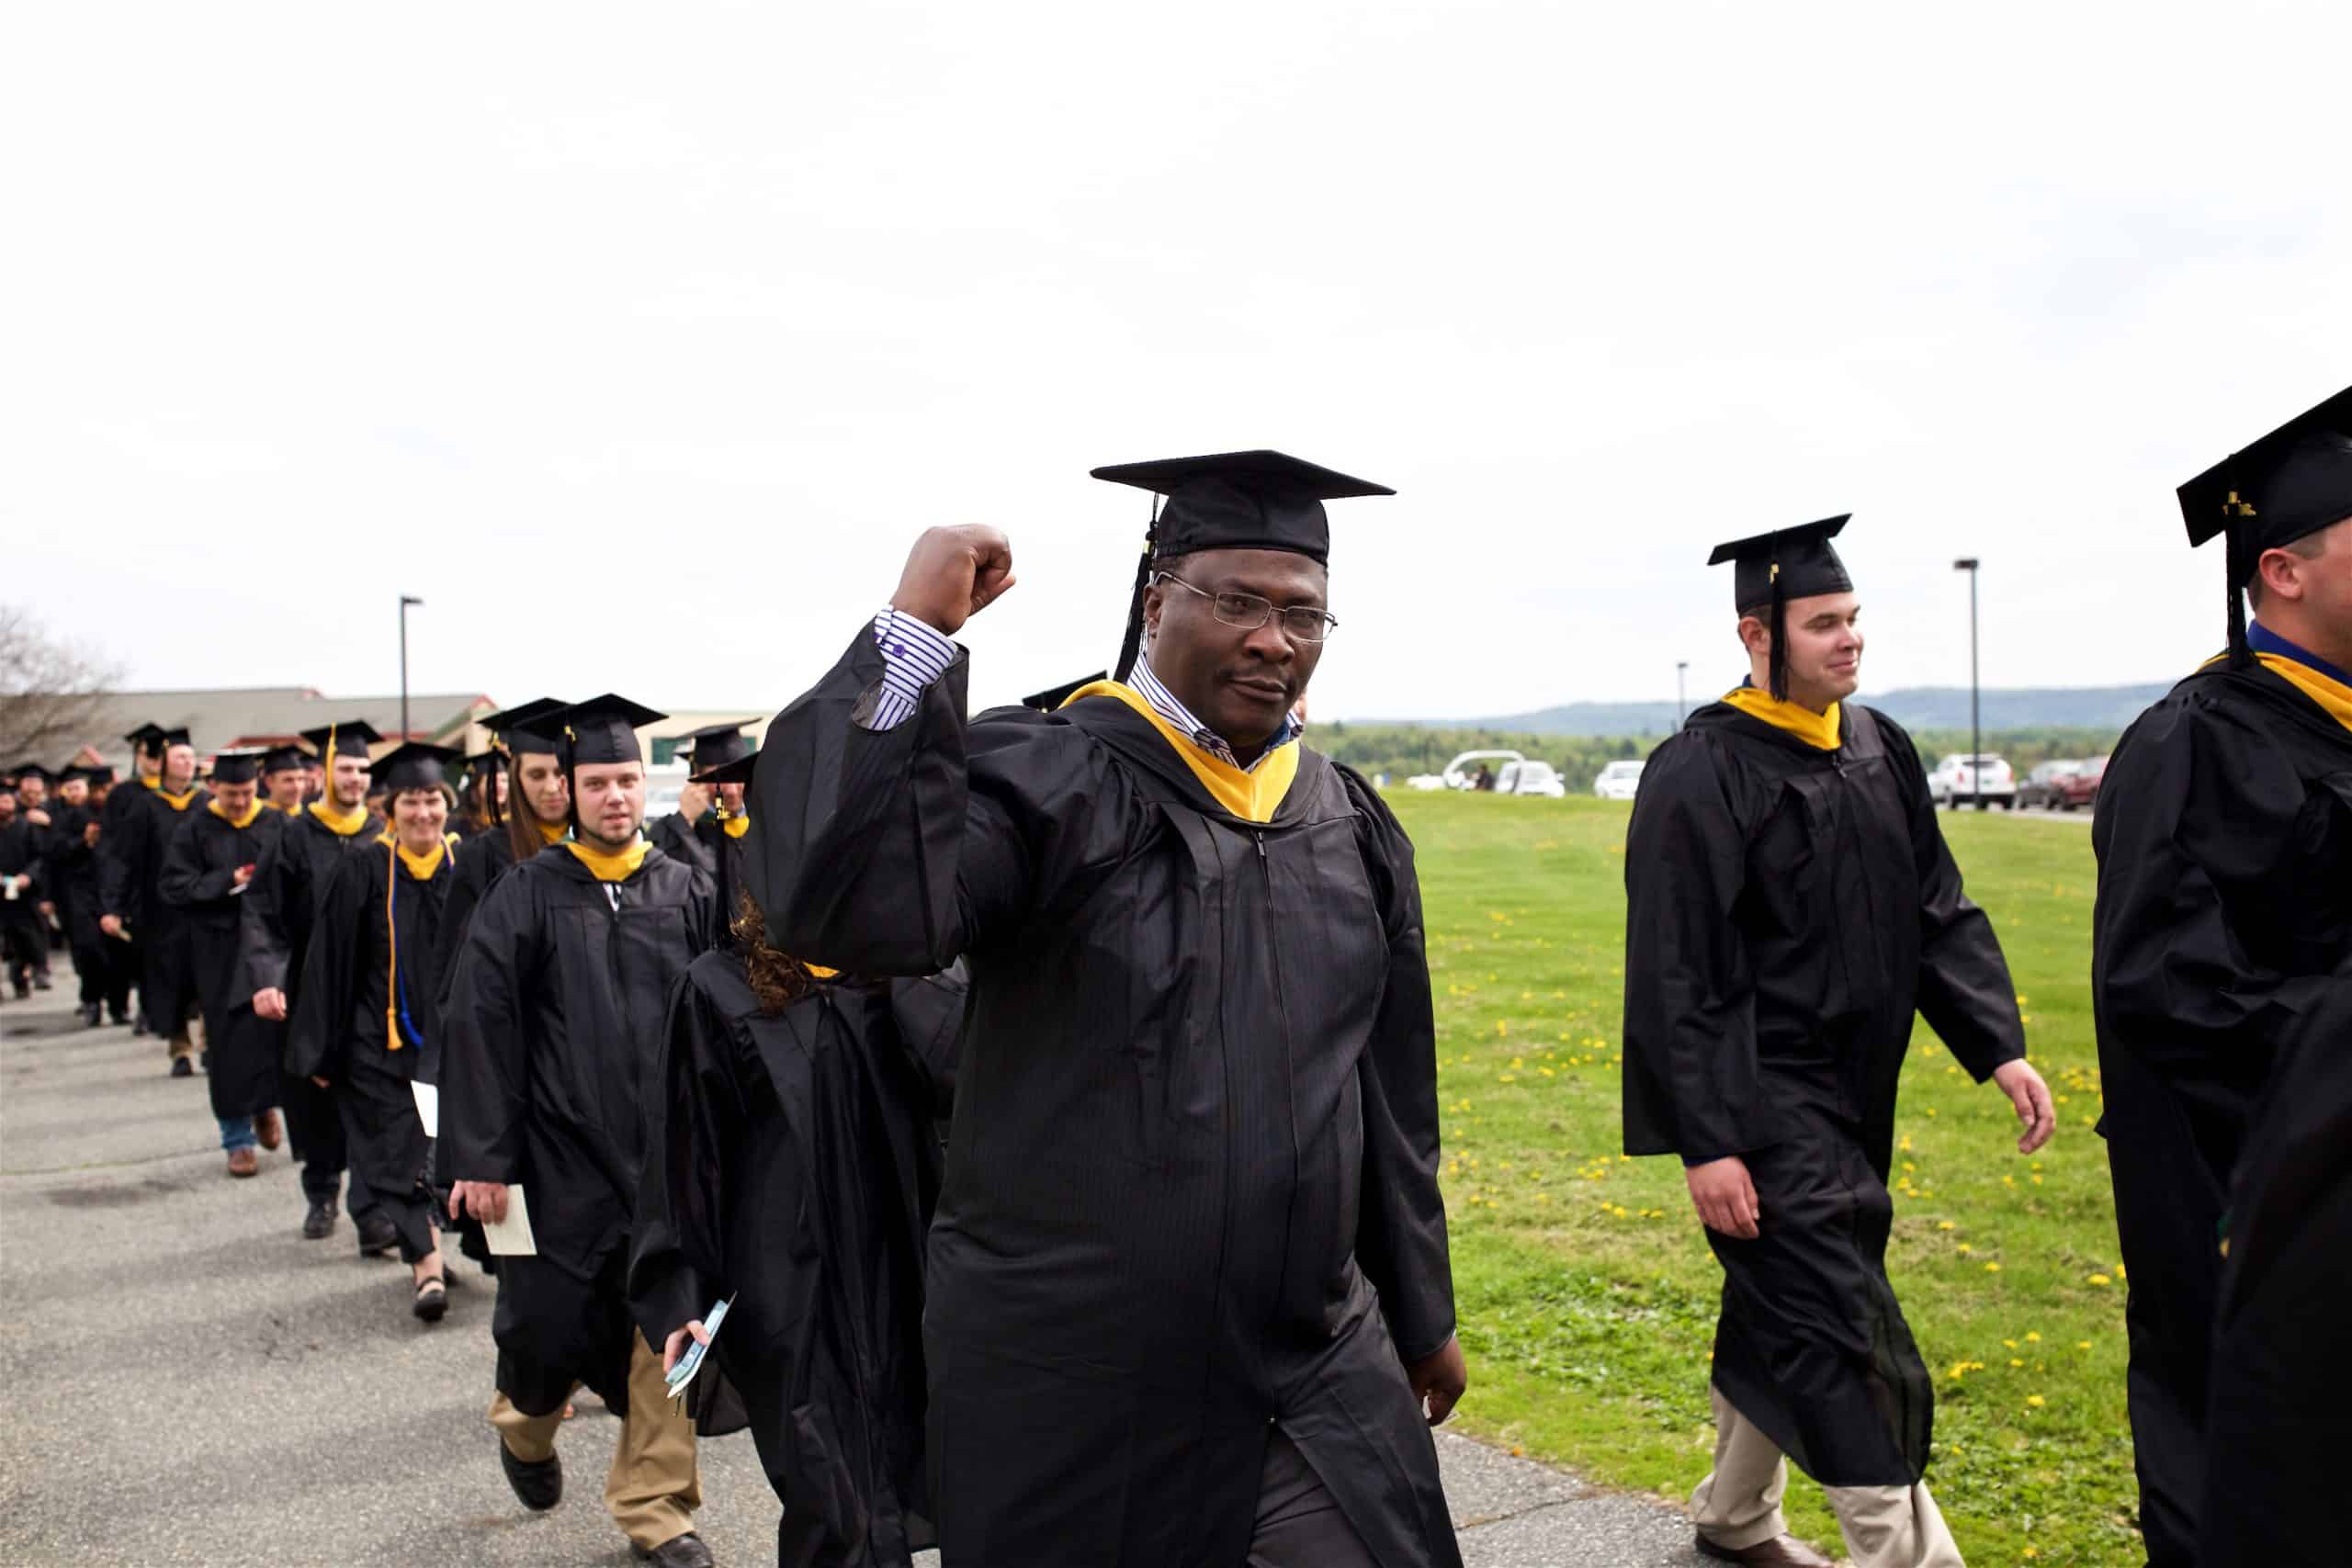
[
  {"x": 725, "y": 887},
  {"x": 1779, "y": 664},
  {"x": 1132, "y": 644},
  {"x": 2241, "y": 652}
]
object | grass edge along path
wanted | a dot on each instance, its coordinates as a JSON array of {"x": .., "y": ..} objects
[{"x": 1586, "y": 1292}]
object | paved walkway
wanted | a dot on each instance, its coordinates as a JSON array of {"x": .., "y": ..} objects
[{"x": 184, "y": 1379}]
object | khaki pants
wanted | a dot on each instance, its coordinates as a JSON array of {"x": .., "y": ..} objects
[
  {"x": 651, "y": 1490},
  {"x": 1739, "y": 1505},
  {"x": 185, "y": 1040}
]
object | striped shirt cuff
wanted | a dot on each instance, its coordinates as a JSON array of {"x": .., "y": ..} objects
[{"x": 914, "y": 655}]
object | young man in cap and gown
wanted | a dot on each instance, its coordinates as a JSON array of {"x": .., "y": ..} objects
[
  {"x": 73, "y": 887},
  {"x": 1189, "y": 1291},
  {"x": 280, "y": 911},
  {"x": 552, "y": 1028},
  {"x": 131, "y": 845},
  {"x": 709, "y": 815},
  {"x": 2222, "y": 934},
  {"x": 208, "y": 865},
  {"x": 1791, "y": 905},
  {"x": 366, "y": 1017}
]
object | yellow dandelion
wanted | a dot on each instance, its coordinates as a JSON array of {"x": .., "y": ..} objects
[
  {"x": 2034, "y": 1400},
  {"x": 1992, "y": 1268},
  {"x": 1944, "y": 1225},
  {"x": 2033, "y": 1337},
  {"x": 2101, "y": 1281}
]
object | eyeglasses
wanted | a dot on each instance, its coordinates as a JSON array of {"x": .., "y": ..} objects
[{"x": 1248, "y": 611}]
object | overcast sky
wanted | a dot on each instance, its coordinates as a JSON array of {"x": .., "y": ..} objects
[{"x": 640, "y": 341}]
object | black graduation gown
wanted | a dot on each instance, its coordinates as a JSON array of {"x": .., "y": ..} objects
[
  {"x": 198, "y": 877},
  {"x": 22, "y": 935},
  {"x": 134, "y": 842},
  {"x": 488, "y": 857},
  {"x": 1788, "y": 910},
  {"x": 552, "y": 1031},
  {"x": 2224, "y": 838},
  {"x": 2275, "y": 1422},
  {"x": 73, "y": 885},
  {"x": 340, "y": 1030},
  {"x": 1191, "y": 1181},
  {"x": 282, "y": 908},
  {"x": 791, "y": 1164}
]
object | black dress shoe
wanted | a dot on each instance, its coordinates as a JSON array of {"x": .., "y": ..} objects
[
  {"x": 89, "y": 1011},
  {"x": 138, "y": 1027},
  {"x": 540, "y": 1485},
  {"x": 320, "y": 1222},
  {"x": 378, "y": 1235},
  {"x": 40, "y": 982},
  {"x": 182, "y": 1067},
  {"x": 680, "y": 1551}
]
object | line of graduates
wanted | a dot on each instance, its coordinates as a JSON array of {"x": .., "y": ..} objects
[
  {"x": 49, "y": 829},
  {"x": 1050, "y": 1093}
]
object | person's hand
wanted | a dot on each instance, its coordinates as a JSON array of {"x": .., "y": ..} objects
[
  {"x": 270, "y": 1002},
  {"x": 694, "y": 799},
  {"x": 90, "y": 834},
  {"x": 675, "y": 1345},
  {"x": 36, "y": 816},
  {"x": 323, "y": 1083},
  {"x": 953, "y": 574},
  {"x": 1438, "y": 1380},
  {"x": 2031, "y": 1097},
  {"x": 483, "y": 1200},
  {"x": 110, "y": 924},
  {"x": 46, "y": 907},
  {"x": 1725, "y": 1196},
  {"x": 245, "y": 875}
]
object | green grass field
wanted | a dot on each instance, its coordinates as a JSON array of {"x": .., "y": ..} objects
[{"x": 1587, "y": 1292}]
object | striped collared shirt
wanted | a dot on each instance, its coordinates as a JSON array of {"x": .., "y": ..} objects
[{"x": 914, "y": 655}]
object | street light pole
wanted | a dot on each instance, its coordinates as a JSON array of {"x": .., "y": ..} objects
[
  {"x": 1975, "y": 723},
  {"x": 406, "y": 600},
  {"x": 1681, "y": 702}
]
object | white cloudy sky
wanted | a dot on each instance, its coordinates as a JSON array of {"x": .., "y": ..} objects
[{"x": 639, "y": 341}]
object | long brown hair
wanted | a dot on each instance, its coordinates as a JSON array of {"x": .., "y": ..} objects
[
  {"x": 521, "y": 822},
  {"x": 777, "y": 977}
]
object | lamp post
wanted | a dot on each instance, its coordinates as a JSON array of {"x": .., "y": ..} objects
[
  {"x": 1681, "y": 703},
  {"x": 406, "y": 600},
  {"x": 1975, "y": 725}
]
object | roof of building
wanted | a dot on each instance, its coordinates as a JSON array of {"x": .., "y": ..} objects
[{"x": 262, "y": 716}]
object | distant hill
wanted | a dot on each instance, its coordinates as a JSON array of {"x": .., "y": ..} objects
[{"x": 1913, "y": 707}]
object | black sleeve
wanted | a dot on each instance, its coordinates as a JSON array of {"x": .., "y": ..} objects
[
  {"x": 1400, "y": 1231},
  {"x": 678, "y": 1239},
  {"x": 880, "y": 856},
  {"x": 264, "y": 931},
  {"x": 928, "y": 1012},
  {"x": 2196, "y": 830},
  {"x": 485, "y": 1032},
  {"x": 122, "y": 853},
  {"x": 1693, "y": 1083},
  {"x": 186, "y": 880},
  {"x": 1965, "y": 991},
  {"x": 324, "y": 1001}
]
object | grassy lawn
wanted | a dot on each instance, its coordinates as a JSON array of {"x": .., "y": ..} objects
[{"x": 1587, "y": 1293}]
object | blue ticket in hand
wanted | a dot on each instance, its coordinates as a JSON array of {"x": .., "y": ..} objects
[{"x": 690, "y": 1362}]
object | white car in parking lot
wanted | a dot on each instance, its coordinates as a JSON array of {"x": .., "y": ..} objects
[
  {"x": 1959, "y": 778},
  {"x": 1618, "y": 781}
]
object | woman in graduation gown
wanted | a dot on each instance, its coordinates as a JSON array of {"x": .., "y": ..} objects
[
  {"x": 529, "y": 811},
  {"x": 791, "y": 1167},
  {"x": 367, "y": 1016},
  {"x": 211, "y": 858}
]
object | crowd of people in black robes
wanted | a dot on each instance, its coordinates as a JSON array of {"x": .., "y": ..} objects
[{"x": 1032, "y": 1115}]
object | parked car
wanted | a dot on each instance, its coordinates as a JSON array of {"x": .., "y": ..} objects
[
  {"x": 2043, "y": 787},
  {"x": 1618, "y": 781},
  {"x": 1463, "y": 771},
  {"x": 1984, "y": 777},
  {"x": 1524, "y": 777},
  {"x": 665, "y": 782}
]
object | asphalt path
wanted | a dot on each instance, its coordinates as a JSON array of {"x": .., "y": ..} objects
[{"x": 187, "y": 1381}]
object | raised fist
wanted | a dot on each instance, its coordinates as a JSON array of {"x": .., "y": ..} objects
[{"x": 953, "y": 574}]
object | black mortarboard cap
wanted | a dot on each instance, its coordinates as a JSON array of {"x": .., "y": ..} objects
[
  {"x": 735, "y": 769},
  {"x": 237, "y": 767},
  {"x": 351, "y": 736},
  {"x": 1052, "y": 697},
  {"x": 413, "y": 765},
  {"x": 528, "y": 726},
  {"x": 2289, "y": 484},
  {"x": 283, "y": 758},
  {"x": 1231, "y": 501},
  {"x": 717, "y": 744},
  {"x": 1770, "y": 569},
  {"x": 24, "y": 771},
  {"x": 602, "y": 730},
  {"x": 151, "y": 738}
]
